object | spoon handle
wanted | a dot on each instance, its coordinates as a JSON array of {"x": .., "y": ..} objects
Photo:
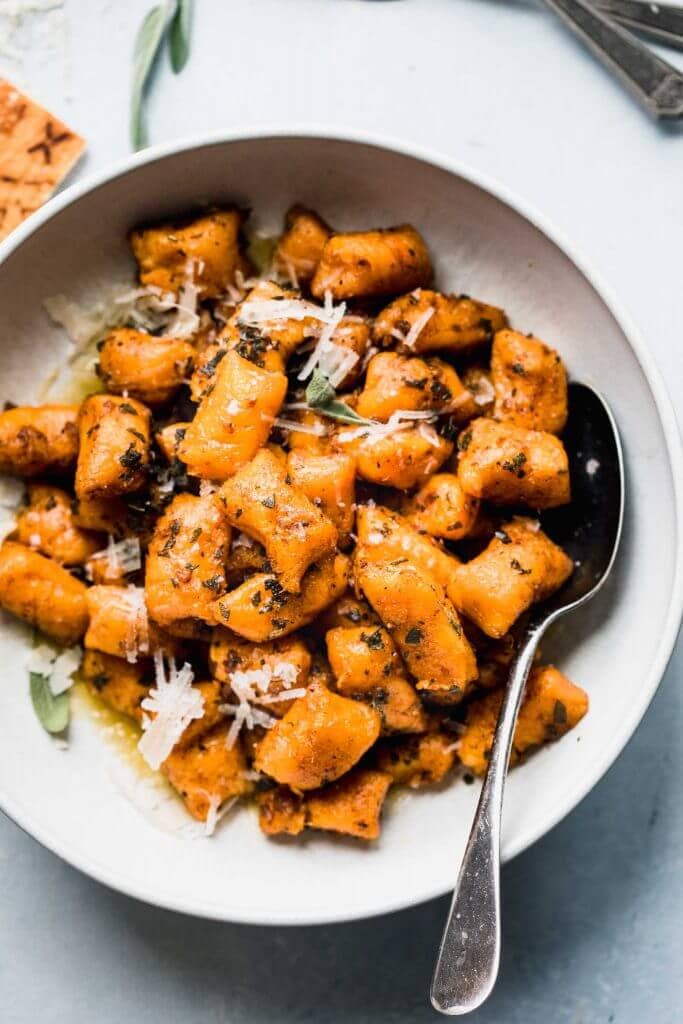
[
  {"x": 467, "y": 964},
  {"x": 658, "y": 85}
]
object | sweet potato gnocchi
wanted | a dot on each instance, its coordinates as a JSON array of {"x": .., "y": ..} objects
[{"x": 292, "y": 527}]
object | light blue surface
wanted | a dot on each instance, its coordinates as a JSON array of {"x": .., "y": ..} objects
[{"x": 594, "y": 912}]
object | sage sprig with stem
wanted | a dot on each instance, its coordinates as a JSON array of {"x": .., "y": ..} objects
[{"x": 169, "y": 21}]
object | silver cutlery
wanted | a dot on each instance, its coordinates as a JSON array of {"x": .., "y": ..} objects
[
  {"x": 655, "y": 83},
  {"x": 661, "y": 22},
  {"x": 589, "y": 530}
]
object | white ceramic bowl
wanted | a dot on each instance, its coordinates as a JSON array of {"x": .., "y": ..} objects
[{"x": 486, "y": 243}]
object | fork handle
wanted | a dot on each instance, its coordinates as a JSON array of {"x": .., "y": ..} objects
[
  {"x": 662, "y": 23},
  {"x": 469, "y": 955},
  {"x": 657, "y": 85}
]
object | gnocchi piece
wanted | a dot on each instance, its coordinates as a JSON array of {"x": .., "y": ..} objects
[
  {"x": 47, "y": 525},
  {"x": 552, "y": 705},
  {"x": 114, "y": 439},
  {"x": 261, "y": 609},
  {"x": 208, "y": 772},
  {"x": 367, "y": 667},
  {"x": 530, "y": 382},
  {"x": 184, "y": 571},
  {"x": 205, "y": 251},
  {"x": 511, "y": 465},
  {"x": 284, "y": 664},
  {"x": 329, "y": 482},
  {"x": 348, "y": 611},
  {"x": 351, "y": 806},
  {"x": 442, "y": 508},
  {"x": 399, "y": 706},
  {"x": 427, "y": 321},
  {"x": 417, "y": 760},
  {"x": 396, "y": 383},
  {"x": 42, "y": 593},
  {"x": 281, "y": 812},
  {"x": 246, "y": 557},
  {"x": 477, "y": 380},
  {"x": 234, "y": 420},
  {"x": 423, "y": 624},
  {"x": 119, "y": 683},
  {"x": 394, "y": 536},
  {"x": 169, "y": 438},
  {"x": 38, "y": 439},
  {"x": 213, "y": 698},
  {"x": 365, "y": 264},
  {"x": 268, "y": 342},
  {"x": 119, "y": 624},
  {"x": 298, "y": 251},
  {"x": 361, "y": 658},
  {"x": 313, "y": 434},
  {"x": 294, "y": 532},
  {"x": 320, "y": 738},
  {"x": 146, "y": 367},
  {"x": 104, "y": 515},
  {"x": 520, "y": 566},
  {"x": 403, "y": 459},
  {"x": 352, "y": 334}
]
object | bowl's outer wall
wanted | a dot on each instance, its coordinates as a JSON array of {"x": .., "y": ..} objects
[{"x": 482, "y": 247}]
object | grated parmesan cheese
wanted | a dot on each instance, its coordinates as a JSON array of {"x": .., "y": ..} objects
[
  {"x": 175, "y": 703},
  {"x": 123, "y": 555},
  {"x": 137, "y": 634},
  {"x": 185, "y": 320},
  {"x": 243, "y": 541},
  {"x": 251, "y": 688},
  {"x": 207, "y": 488},
  {"x": 399, "y": 420},
  {"x": 57, "y": 667},
  {"x": 215, "y": 813},
  {"x": 63, "y": 669},
  {"x": 317, "y": 429},
  {"x": 484, "y": 393},
  {"x": 419, "y": 325}
]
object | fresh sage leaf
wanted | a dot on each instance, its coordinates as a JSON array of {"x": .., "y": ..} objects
[
  {"x": 52, "y": 712},
  {"x": 147, "y": 43},
  {"x": 179, "y": 37},
  {"x": 319, "y": 391},
  {"x": 321, "y": 396}
]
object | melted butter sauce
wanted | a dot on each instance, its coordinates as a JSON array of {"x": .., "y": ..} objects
[{"x": 148, "y": 791}]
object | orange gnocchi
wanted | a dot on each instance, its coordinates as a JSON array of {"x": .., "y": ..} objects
[{"x": 296, "y": 530}]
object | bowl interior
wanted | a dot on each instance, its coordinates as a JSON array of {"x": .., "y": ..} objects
[{"x": 75, "y": 801}]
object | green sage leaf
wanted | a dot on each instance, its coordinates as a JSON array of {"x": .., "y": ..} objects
[
  {"x": 52, "y": 712},
  {"x": 147, "y": 43},
  {"x": 319, "y": 391},
  {"x": 321, "y": 396},
  {"x": 179, "y": 37}
]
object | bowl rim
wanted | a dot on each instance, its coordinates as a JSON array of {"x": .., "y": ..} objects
[{"x": 665, "y": 410}]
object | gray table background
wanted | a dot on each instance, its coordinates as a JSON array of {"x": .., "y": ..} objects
[{"x": 593, "y": 912}]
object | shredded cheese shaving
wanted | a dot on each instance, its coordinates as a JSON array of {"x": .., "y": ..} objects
[
  {"x": 402, "y": 419},
  {"x": 175, "y": 703},
  {"x": 57, "y": 667},
  {"x": 251, "y": 688},
  {"x": 120, "y": 556},
  {"x": 419, "y": 325}
]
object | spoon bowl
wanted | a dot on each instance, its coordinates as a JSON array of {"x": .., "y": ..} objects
[{"x": 589, "y": 530}]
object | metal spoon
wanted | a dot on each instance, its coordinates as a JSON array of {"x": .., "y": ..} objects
[{"x": 589, "y": 530}]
